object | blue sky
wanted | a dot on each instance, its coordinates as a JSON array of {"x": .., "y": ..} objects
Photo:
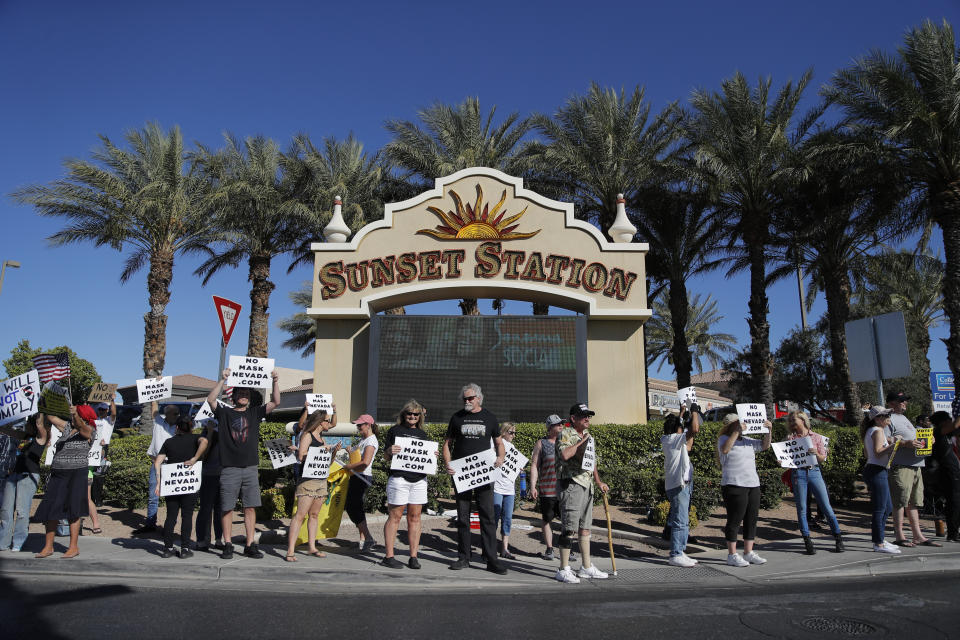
[{"x": 73, "y": 70}]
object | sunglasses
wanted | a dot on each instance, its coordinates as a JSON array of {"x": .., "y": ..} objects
[
  {"x": 469, "y": 398},
  {"x": 415, "y": 414},
  {"x": 511, "y": 433}
]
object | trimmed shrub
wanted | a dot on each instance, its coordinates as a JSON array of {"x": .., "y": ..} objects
[
  {"x": 273, "y": 504},
  {"x": 661, "y": 511},
  {"x": 127, "y": 483}
]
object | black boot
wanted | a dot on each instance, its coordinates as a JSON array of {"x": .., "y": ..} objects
[
  {"x": 808, "y": 545},
  {"x": 839, "y": 547}
]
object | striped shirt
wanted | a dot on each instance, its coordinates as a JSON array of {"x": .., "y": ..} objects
[{"x": 547, "y": 469}]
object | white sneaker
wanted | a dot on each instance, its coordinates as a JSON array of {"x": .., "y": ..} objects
[
  {"x": 753, "y": 558},
  {"x": 681, "y": 561},
  {"x": 892, "y": 547},
  {"x": 735, "y": 560},
  {"x": 693, "y": 560},
  {"x": 884, "y": 548},
  {"x": 592, "y": 572},
  {"x": 566, "y": 575}
]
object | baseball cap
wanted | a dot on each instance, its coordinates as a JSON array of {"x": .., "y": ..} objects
[
  {"x": 878, "y": 411},
  {"x": 365, "y": 419},
  {"x": 897, "y": 396},
  {"x": 553, "y": 419},
  {"x": 581, "y": 409},
  {"x": 101, "y": 405}
]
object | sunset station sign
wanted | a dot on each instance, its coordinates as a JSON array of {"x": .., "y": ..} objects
[{"x": 480, "y": 234}]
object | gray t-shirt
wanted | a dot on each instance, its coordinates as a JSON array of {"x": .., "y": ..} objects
[
  {"x": 900, "y": 426},
  {"x": 677, "y": 470},
  {"x": 740, "y": 465}
]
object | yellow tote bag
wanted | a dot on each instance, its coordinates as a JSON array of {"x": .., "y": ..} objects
[{"x": 331, "y": 513}]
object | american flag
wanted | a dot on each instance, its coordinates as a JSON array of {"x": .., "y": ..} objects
[{"x": 52, "y": 366}]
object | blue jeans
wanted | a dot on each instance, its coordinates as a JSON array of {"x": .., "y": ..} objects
[
  {"x": 153, "y": 500},
  {"x": 18, "y": 492},
  {"x": 876, "y": 478},
  {"x": 503, "y": 508},
  {"x": 812, "y": 479},
  {"x": 679, "y": 518}
]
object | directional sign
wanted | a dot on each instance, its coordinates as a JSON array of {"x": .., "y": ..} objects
[
  {"x": 943, "y": 390},
  {"x": 227, "y": 311}
]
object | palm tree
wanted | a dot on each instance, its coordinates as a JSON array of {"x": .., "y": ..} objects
[
  {"x": 139, "y": 199},
  {"x": 702, "y": 315},
  {"x": 301, "y": 327},
  {"x": 742, "y": 143},
  {"x": 453, "y": 138},
  {"x": 600, "y": 145},
  {"x": 913, "y": 99},
  {"x": 681, "y": 233},
  {"x": 847, "y": 208},
  {"x": 259, "y": 217}
]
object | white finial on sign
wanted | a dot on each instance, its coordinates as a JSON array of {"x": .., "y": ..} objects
[
  {"x": 337, "y": 230},
  {"x": 622, "y": 230}
]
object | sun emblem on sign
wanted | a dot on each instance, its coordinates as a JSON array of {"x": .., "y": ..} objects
[{"x": 476, "y": 221}]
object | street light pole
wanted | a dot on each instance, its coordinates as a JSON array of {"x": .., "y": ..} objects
[
  {"x": 13, "y": 264},
  {"x": 803, "y": 306}
]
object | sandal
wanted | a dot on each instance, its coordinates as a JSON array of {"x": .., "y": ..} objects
[
  {"x": 318, "y": 554},
  {"x": 97, "y": 530},
  {"x": 927, "y": 543},
  {"x": 903, "y": 543},
  {"x": 43, "y": 555},
  {"x": 291, "y": 558}
]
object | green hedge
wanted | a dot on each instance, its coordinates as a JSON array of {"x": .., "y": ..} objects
[{"x": 630, "y": 461}]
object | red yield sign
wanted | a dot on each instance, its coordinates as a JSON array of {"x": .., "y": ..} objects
[{"x": 227, "y": 311}]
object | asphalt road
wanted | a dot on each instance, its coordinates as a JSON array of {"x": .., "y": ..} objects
[{"x": 916, "y": 607}]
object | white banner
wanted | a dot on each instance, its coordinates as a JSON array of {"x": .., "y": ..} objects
[
  {"x": 589, "y": 456},
  {"x": 246, "y": 371},
  {"x": 104, "y": 430},
  {"x": 280, "y": 454},
  {"x": 419, "y": 456},
  {"x": 152, "y": 389},
  {"x": 513, "y": 462},
  {"x": 474, "y": 471},
  {"x": 321, "y": 401},
  {"x": 753, "y": 418},
  {"x": 19, "y": 397},
  {"x": 95, "y": 455},
  {"x": 177, "y": 479},
  {"x": 687, "y": 393},
  {"x": 204, "y": 412},
  {"x": 317, "y": 463},
  {"x": 793, "y": 454}
]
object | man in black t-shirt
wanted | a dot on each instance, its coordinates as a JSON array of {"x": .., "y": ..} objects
[
  {"x": 239, "y": 447},
  {"x": 471, "y": 431}
]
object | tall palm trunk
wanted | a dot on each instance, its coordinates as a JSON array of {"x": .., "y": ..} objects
[
  {"x": 761, "y": 362},
  {"x": 155, "y": 320},
  {"x": 682, "y": 360},
  {"x": 259, "y": 304},
  {"x": 947, "y": 208},
  {"x": 541, "y": 309},
  {"x": 837, "y": 292}
]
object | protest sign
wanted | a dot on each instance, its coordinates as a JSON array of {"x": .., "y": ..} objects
[
  {"x": 102, "y": 392},
  {"x": 104, "y": 430},
  {"x": 687, "y": 395},
  {"x": 317, "y": 463},
  {"x": 513, "y": 462},
  {"x": 19, "y": 397},
  {"x": 55, "y": 400},
  {"x": 55, "y": 435},
  {"x": 95, "y": 456},
  {"x": 793, "y": 454},
  {"x": 176, "y": 478},
  {"x": 924, "y": 437},
  {"x": 246, "y": 371},
  {"x": 204, "y": 412},
  {"x": 151, "y": 389},
  {"x": 279, "y": 451},
  {"x": 419, "y": 456},
  {"x": 321, "y": 401},
  {"x": 589, "y": 456},
  {"x": 753, "y": 418},
  {"x": 474, "y": 471}
]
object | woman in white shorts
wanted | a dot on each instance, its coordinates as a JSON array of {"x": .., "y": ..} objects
[{"x": 405, "y": 489}]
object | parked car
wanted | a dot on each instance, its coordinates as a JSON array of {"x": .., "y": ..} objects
[{"x": 716, "y": 414}]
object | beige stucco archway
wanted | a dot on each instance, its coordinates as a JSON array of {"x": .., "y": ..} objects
[{"x": 480, "y": 234}]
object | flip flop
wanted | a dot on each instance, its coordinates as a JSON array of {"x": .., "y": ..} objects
[
  {"x": 43, "y": 555},
  {"x": 928, "y": 543},
  {"x": 291, "y": 558},
  {"x": 903, "y": 543},
  {"x": 98, "y": 530},
  {"x": 318, "y": 554}
]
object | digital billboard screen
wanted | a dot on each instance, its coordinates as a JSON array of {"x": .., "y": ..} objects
[{"x": 527, "y": 366}]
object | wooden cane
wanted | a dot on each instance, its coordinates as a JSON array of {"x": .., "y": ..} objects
[{"x": 606, "y": 510}]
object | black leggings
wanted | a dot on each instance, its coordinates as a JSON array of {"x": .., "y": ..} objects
[
  {"x": 182, "y": 505},
  {"x": 356, "y": 491},
  {"x": 743, "y": 505}
]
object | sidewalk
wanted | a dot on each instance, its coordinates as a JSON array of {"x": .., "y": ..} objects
[{"x": 346, "y": 570}]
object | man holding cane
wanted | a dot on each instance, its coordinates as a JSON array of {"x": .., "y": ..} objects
[
  {"x": 576, "y": 492},
  {"x": 470, "y": 432}
]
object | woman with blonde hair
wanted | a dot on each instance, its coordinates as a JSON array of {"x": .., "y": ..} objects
[
  {"x": 405, "y": 489},
  {"x": 878, "y": 448},
  {"x": 311, "y": 492},
  {"x": 21, "y": 484},
  {"x": 810, "y": 478},
  {"x": 740, "y": 487}
]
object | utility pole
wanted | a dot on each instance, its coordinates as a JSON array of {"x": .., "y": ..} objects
[{"x": 803, "y": 305}]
